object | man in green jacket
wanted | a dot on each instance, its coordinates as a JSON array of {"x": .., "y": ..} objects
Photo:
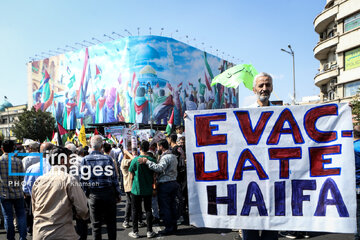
[{"x": 142, "y": 188}]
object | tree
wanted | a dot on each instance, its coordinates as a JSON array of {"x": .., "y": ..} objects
[
  {"x": 355, "y": 103},
  {"x": 36, "y": 125}
]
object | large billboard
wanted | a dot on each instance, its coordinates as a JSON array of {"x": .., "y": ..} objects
[{"x": 138, "y": 79}]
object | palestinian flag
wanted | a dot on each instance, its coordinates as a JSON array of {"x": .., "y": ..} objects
[
  {"x": 96, "y": 132},
  {"x": 170, "y": 124},
  {"x": 62, "y": 134}
]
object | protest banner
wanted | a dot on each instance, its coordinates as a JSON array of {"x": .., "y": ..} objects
[{"x": 272, "y": 168}]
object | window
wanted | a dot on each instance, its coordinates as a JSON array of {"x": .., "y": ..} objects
[
  {"x": 352, "y": 22},
  {"x": 350, "y": 89},
  {"x": 352, "y": 59}
]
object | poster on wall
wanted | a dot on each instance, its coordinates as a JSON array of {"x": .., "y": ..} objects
[
  {"x": 272, "y": 168},
  {"x": 136, "y": 79},
  {"x": 352, "y": 59}
]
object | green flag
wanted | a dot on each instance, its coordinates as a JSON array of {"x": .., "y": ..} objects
[{"x": 232, "y": 77}]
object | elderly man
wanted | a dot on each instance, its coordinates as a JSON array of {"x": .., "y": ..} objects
[
  {"x": 102, "y": 188},
  {"x": 262, "y": 87},
  {"x": 32, "y": 173},
  {"x": 55, "y": 196},
  {"x": 31, "y": 147}
]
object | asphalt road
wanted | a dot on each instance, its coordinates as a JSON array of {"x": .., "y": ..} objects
[{"x": 189, "y": 232}]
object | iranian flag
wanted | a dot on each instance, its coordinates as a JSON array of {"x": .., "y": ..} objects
[{"x": 170, "y": 124}]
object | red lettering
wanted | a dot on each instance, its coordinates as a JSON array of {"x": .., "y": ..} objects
[
  {"x": 203, "y": 130},
  {"x": 278, "y": 129},
  {"x": 221, "y": 174},
  {"x": 252, "y": 136},
  {"x": 310, "y": 123},
  {"x": 284, "y": 155},
  {"x": 317, "y": 160}
]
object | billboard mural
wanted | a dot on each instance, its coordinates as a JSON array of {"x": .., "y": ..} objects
[{"x": 135, "y": 79}]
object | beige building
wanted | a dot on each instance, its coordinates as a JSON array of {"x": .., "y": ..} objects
[
  {"x": 9, "y": 113},
  {"x": 338, "y": 50}
]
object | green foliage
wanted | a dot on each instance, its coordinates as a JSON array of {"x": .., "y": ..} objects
[
  {"x": 36, "y": 125},
  {"x": 356, "y": 108}
]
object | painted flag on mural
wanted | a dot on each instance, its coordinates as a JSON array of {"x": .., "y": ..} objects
[
  {"x": 71, "y": 82},
  {"x": 207, "y": 82},
  {"x": 82, "y": 136},
  {"x": 45, "y": 87},
  {"x": 232, "y": 77},
  {"x": 208, "y": 66},
  {"x": 83, "y": 74},
  {"x": 170, "y": 124},
  {"x": 98, "y": 73}
]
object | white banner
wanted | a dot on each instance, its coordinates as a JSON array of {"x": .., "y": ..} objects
[{"x": 272, "y": 168}]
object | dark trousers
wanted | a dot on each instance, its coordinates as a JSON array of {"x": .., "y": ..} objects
[
  {"x": 255, "y": 235},
  {"x": 29, "y": 216},
  {"x": 136, "y": 209},
  {"x": 102, "y": 206},
  {"x": 166, "y": 197},
  {"x": 7, "y": 207},
  {"x": 81, "y": 228},
  {"x": 128, "y": 208}
]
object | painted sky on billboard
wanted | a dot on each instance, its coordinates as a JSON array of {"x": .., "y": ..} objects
[{"x": 134, "y": 79}]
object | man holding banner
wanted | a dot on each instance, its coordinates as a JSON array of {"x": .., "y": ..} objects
[
  {"x": 272, "y": 168},
  {"x": 262, "y": 87}
]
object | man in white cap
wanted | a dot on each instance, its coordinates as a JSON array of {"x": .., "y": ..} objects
[{"x": 31, "y": 147}]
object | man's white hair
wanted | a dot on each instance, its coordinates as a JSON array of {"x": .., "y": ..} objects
[
  {"x": 262, "y": 74},
  {"x": 71, "y": 147},
  {"x": 96, "y": 142}
]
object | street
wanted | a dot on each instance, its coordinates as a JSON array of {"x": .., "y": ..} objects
[{"x": 189, "y": 232}]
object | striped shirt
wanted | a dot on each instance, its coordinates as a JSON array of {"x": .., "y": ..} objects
[{"x": 10, "y": 186}]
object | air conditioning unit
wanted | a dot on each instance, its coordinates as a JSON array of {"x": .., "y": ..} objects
[{"x": 332, "y": 83}]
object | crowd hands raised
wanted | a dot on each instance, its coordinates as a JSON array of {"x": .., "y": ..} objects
[{"x": 74, "y": 187}]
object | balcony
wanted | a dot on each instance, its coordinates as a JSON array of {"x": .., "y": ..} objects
[
  {"x": 323, "y": 48},
  {"x": 329, "y": 72},
  {"x": 325, "y": 18}
]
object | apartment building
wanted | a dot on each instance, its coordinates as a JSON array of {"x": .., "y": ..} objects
[{"x": 338, "y": 50}]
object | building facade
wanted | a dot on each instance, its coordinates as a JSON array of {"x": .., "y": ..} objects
[
  {"x": 8, "y": 114},
  {"x": 338, "y": 50}
]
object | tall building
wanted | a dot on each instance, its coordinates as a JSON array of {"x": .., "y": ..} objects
[
  {"x": 338, "y": 50},
  {"x": 9, "y": 113}
]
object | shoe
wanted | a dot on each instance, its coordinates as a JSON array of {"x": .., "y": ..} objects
[
  {"x": 180, "y": 220},
  {"x": 290, "y": 235},
  {"x": 150, "y": 234},
  {"x": 133, "y": 234},
  {"x": 306, "y": 235},
  {"x": 141, "y": 224},
  {"x": 126, "y": 224}
]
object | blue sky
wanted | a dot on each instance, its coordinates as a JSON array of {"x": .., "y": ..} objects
[{"x": 250, "y": 31}]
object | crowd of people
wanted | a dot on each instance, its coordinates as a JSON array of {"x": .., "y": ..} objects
[
  {"x": 85, "y": 184},
  {"x": 66, "y": 189}
]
